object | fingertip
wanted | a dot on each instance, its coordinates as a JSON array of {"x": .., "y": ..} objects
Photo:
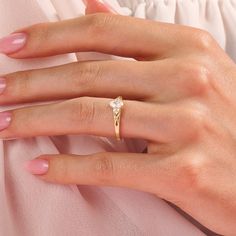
[
  {"x": 37, "y": 166},
  {"x": 95, "y": 6},
  {"x": 13, "y": 43}
]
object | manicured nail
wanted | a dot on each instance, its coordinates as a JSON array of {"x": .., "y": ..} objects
[
  {"x": 12, "y": 43},
  {"x": 5, "y": 119},
  {"x": 103, "y": 6},
  {"x": 37, "y": 166},
  {"x": 2, "y": 84},
  {"x": 109, "y": 8}
]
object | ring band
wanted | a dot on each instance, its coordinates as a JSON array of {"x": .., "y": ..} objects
[{"x": 116, "y": 106}]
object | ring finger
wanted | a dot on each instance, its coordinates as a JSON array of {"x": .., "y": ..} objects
[{"x": 93, "y": 116}]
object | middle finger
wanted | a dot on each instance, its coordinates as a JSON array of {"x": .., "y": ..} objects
[{"x": 163, "y": 81}]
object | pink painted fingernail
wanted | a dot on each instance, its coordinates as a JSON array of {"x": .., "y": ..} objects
[
  {"x": 108, "y": 7},
  {"x": 12, "y": 43},
  {"x": 5, "y": 120},
  {"x": 2, "y": 84},
  {"x": 37, "y": 166},
  {"x": 93, "y": 6}
]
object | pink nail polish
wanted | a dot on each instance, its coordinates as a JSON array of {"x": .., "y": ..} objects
[
  {"x": 108, "y": 7},
  {"x": 2, "y": 84},
  {"x": 37, "y": 166},
  {"x": 12, "y": 43},
  {"x": 5, "y": 120},
  {"x": 98, "y": 6}
]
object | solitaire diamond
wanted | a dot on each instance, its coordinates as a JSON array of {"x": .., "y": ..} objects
[{"x": 117, "y": 103}]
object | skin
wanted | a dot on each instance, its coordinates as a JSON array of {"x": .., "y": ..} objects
[{"x": 181, "y": 78}]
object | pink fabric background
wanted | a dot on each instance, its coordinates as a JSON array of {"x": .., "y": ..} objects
[{"x": 30, "y": 207}]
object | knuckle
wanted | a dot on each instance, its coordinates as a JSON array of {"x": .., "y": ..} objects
[
  {"x": 22, "y": 83},
  {"x": 192, "y": 171},
  {"x": 203, "y": 40},
  {"x": 196, "y": 120},
  {"x": 61, "y": 172},
  {"x": 103, "y": 168},
  {"x": 100, "y": 23},
  {"x": 86, "y": 75},
  {"x": 82, "y": 112},
  {"x": 197, "y": 78},
  {"x": 201, "y": 78},
  {"x": 39, "y": 33}
]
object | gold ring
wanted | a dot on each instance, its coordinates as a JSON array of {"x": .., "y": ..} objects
[{"x": 116, "y": 106}]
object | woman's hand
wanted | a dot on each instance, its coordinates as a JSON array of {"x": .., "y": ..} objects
[{"x": 179, "y": 96}]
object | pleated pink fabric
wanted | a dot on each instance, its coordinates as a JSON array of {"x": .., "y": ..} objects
[{"x": 30, "y": 207}]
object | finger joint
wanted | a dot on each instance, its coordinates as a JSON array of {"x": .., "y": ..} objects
[
  {"x": 83, "y": 112},
  {"x": 103, "y": 168}
]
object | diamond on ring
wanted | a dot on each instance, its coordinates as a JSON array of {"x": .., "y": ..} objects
[{"x": 117, "y": 103}]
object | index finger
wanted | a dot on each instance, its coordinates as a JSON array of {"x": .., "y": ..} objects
[{"x": 101, "y": 32}]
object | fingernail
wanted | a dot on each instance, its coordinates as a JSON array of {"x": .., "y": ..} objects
[
  {"x": 2, "y": 84},
  {"x": 109, "y": 7},
  {"x": 12, "y": 43},
  {"x": 37, "y": 166},
  {"x": 5, "y": 119},
  {"x": 103, "y": 6}
]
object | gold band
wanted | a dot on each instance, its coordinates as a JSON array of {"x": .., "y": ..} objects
[
  {"x": 116, "y": 105},
  {"x": 117, "y": 123}
]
